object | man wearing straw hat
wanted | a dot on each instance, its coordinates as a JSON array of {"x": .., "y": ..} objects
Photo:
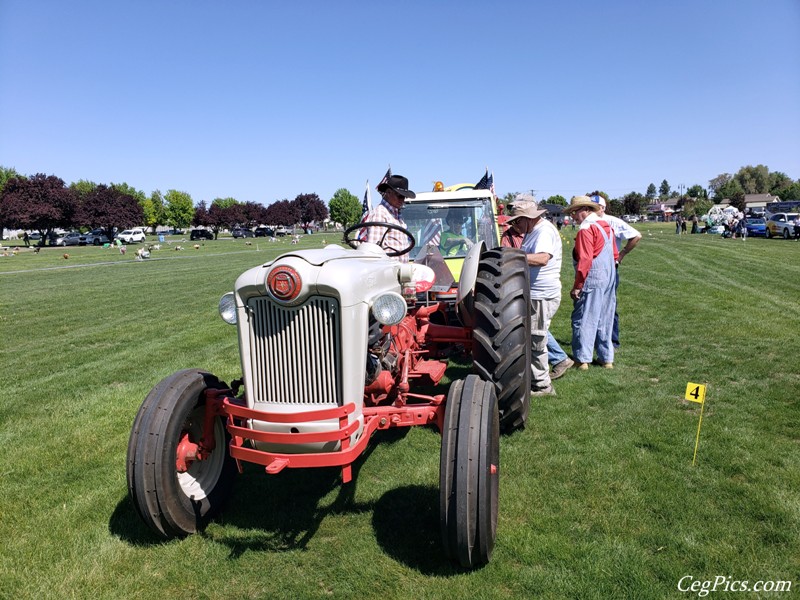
[
  {"x": 593, "y": 291},
  {"x": 542, "y": 246},
  {"x": 626, "y": 237}
]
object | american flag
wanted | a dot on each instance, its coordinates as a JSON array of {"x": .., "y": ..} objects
[
  {"x": 367, "y": 204},
  {"x": 385, "y": 177},
  {"x": 485, "y": 181},
  {"x": 431, "y": 233}
]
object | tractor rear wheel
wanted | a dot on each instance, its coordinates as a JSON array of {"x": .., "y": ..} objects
[
  {"x": 174, "y": 501},
  {"x": 469, "y": 477},
  {"x": 502, "y": 332}
]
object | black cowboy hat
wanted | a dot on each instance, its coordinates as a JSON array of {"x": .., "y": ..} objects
[{"x": 399, "y": 184}]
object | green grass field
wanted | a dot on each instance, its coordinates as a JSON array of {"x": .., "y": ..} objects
[{"x": 598, "y": 499}]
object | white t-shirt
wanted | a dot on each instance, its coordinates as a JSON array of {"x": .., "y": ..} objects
[
  {"x": 546, "y": 280},
  {"x": 622, "y": 231}
]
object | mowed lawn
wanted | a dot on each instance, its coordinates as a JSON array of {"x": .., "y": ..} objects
[{"x": 598, "y": 499}]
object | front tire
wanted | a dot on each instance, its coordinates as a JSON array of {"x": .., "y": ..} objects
[
  {"x": 786, "y": 235},
  {"x": 501, "y": 334},
  {"x": 469, "y": 472},
  {"x": 173, "y": 503}
]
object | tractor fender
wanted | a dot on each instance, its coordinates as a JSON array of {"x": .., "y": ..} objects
[{"x": 466, "y": 284}]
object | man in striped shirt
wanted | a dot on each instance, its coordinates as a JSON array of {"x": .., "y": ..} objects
[{"x": 394, "y": 192}]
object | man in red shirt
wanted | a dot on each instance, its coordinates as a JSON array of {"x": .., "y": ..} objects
[{"x": 594, "y": 301}]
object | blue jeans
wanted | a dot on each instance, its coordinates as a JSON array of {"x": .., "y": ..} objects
[{"x": 555, "y": 354}]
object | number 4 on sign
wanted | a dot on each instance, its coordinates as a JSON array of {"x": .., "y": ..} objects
[{"x": 696, "y": 392}]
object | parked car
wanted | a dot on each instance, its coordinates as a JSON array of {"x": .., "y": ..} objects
[
  {"x": 265, "y": 232},
  {"x": 96, "y": 237},
  {"x": 756, "y": 226},
  {"x": 241, "y": 232},
  {"x": 781, "y": 224},
  {"x": 131, "y": 236},
  {"x": 73, "y": 238},
  {"x": 201, "y": 234},
  {"x": 281, "y": 231}
]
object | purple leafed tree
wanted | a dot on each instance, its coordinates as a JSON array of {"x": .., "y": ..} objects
[
  {"x": 41, "y": 202},
  {"x": 107, "y": 208},
  {"x": 311, "y": 209},
  {"x": 282, "y": 212}
]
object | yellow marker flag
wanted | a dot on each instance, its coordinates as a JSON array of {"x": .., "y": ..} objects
[{"x": 696, "y": 392}]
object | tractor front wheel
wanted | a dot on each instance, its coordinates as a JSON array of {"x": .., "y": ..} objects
[
  {"x": 174, "y": 492},
  {"x": 469, "y": 477},
  {"x": 502, "y": 332}
]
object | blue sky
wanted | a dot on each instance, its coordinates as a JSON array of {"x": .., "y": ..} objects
[{"x": 264, "y": 100}]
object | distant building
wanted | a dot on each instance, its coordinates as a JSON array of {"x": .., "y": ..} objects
[
  {"x": 662, "y": 210},
  {"x": 757, "y": 203}
]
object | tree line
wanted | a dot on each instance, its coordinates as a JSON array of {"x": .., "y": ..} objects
[
  {"x": 696, "y": 199},
  {"x": 44, "y": 203}
]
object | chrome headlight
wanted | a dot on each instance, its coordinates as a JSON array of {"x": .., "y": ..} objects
[
  {"x": 227, "y": 308},
  {"x": 389, "y": 309}
]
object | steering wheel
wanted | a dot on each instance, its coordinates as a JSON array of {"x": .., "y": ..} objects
[{"x": 353, "y": 241}]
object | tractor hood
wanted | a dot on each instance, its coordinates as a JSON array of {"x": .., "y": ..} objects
[{"x": 352, "y": 276}]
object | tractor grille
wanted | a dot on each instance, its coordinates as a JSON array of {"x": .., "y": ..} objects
[{"x": 295, "y": 352}]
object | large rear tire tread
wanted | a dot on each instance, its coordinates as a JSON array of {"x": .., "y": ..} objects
[
  {"x": 501, "y": 335},
  {"x": 469, "y": 472},
  {"x": 174, "y": 407}
]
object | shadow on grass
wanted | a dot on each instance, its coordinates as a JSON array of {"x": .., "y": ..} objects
[
  {"x": 406, "y": 523},
  {"x": 282, "y": 513},
  {"x": 264, "y": 512}
]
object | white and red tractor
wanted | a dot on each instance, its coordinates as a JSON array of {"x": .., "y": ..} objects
[{"x": 336, "y": 344}]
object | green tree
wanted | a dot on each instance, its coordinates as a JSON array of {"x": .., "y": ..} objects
[
  {"x": 702, "y": 206},
  {"x": 778, "y": 182},
  {"x": 124, "y": 188},
  {"x": 664, "y": 189},
  {"x": 754, "y": 180},
  {"x": 633, "y": 203},
  {"x": 5, "y": 174},
  {"x": 733, "y": 191},
  {"x": 153, "y": 208},
  {"x": 345, "y": 208},
  {"x": 615, "y": 207},
  {"x": 719, "y": 182},
  {"x": 651, "y": 192},
  {"x": 82, "y": 188},
  {"x": 557, "y": 199},
  {"x": 178, "y": 209},
  {"x": 224, "y": 202},
  {"x": 697, "y": 191},
  {"x": 791, "y": 193}
]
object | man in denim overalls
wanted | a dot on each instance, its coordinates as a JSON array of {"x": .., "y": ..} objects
[{"x": 593, "y": 291}]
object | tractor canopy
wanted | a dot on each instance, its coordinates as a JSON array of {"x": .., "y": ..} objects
[{"x": 450, "y": 223}]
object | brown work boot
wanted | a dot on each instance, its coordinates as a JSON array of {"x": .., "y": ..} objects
[
  {"x": 560, "y": 368},
  {"x": 582, "y": 366}
]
